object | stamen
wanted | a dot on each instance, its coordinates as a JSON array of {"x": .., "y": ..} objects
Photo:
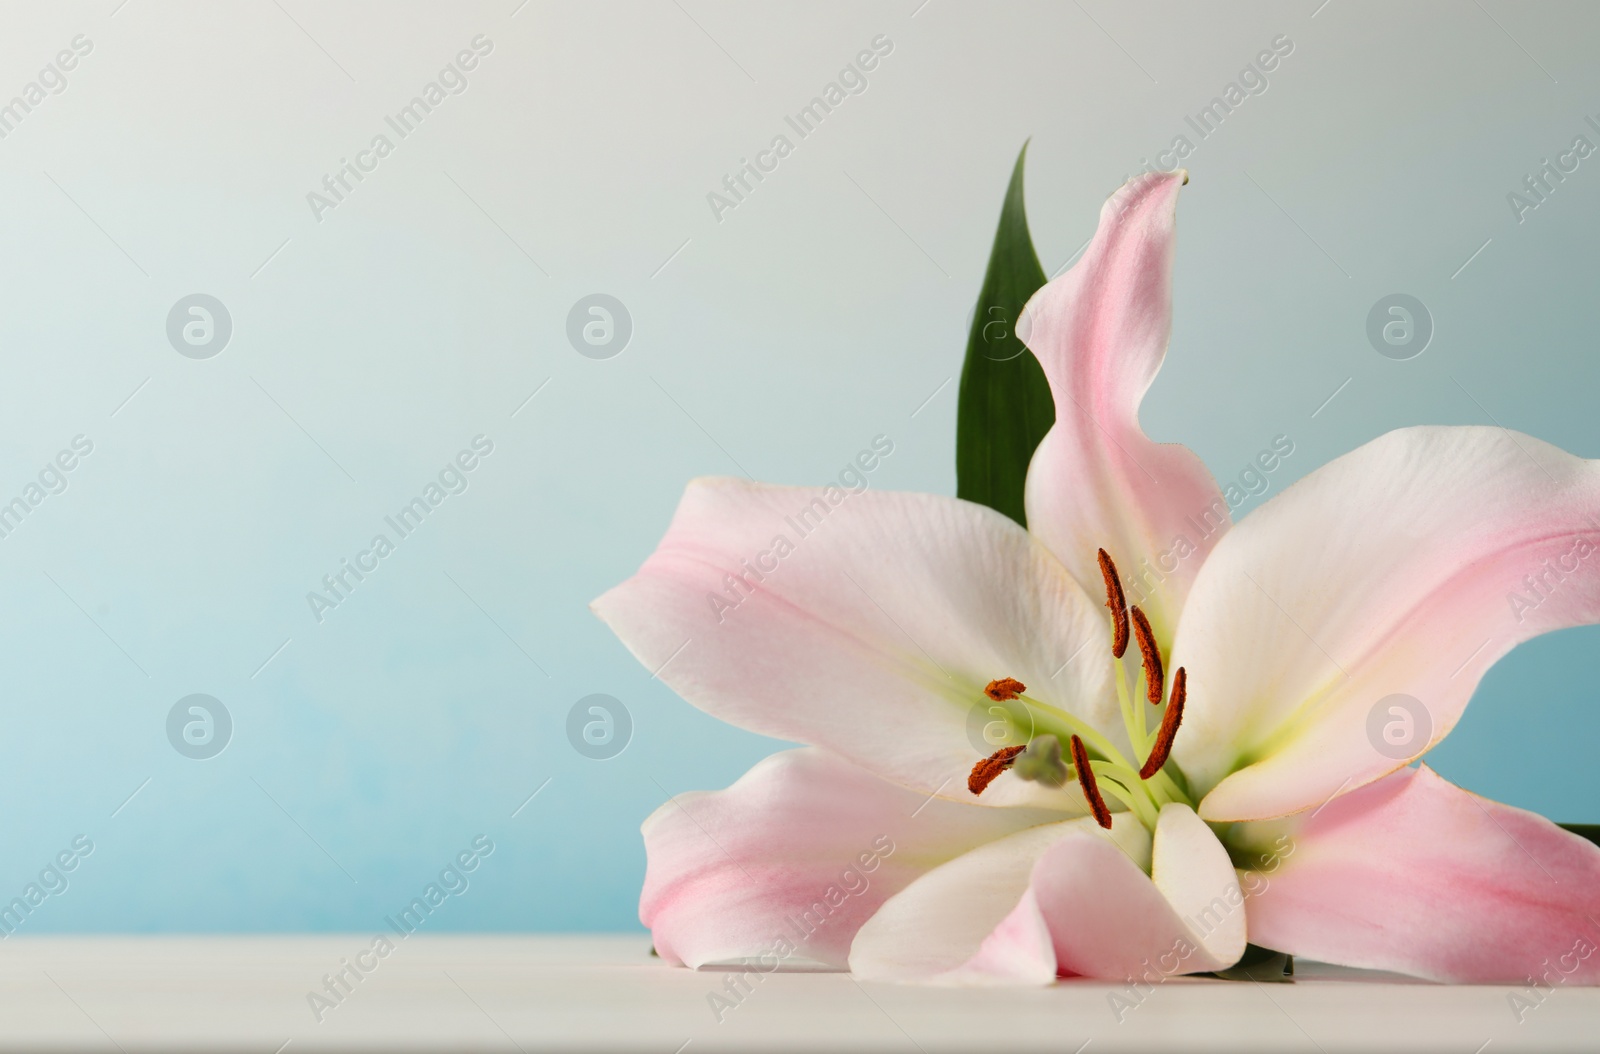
[
  {"x": 1117, "y": 602},
  {"x": 1169, "y": 726},
  {"x": 988, "y": 770},
  {"x": 1153, "y": 674},
  {"x": 1091, "y": 791},
  {"x": 1005, "y": 688}
]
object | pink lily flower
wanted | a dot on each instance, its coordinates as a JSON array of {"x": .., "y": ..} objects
[{"x": 1215, "y": 784}]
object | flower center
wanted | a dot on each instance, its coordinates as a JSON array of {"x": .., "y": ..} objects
[{"x": 1099, "y": 767}]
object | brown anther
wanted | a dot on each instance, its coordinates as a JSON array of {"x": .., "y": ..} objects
[
  {"x": 1091, "y": 790},
  {"x": 1169, "y": 726},
  {"x": 1005, "y": 688},
  {"x": 1153, "y": 683},
  {"x": 1117, "y": 602},
  {"x": 986, "y": 771}
]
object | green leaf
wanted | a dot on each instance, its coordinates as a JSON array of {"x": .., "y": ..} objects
[
  {"x": 1005, "y": 407},
  {"x": 1260, "y": 964}
]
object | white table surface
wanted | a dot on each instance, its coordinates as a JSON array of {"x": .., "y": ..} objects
[{"x": 605, "y": 993}]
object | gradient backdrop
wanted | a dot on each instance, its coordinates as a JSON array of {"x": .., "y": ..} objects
[{"x": 372, "y": 339}]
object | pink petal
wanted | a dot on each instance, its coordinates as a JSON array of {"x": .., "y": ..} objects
[
  {"x": 1390, "y": 572},
  {"x": 802, "y": 849},
  {"x": 972, "y": 921},
  {"x": 1097, "y": 481},
  {"x": 873, "y": 633},
  {"x": 1016, "y": 952},
  {"x": 1415, "y": 875},
  {"x": 1064, "y": 898},
  {"x": 1110, "y": 920}
]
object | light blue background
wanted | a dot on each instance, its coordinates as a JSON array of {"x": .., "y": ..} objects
[{"x": 822, "y": 311}]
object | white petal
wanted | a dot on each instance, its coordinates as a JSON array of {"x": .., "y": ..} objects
[
  {"x": 1388, "y": 575},
  {"x": 803, "y": 848},
  {"x": 866, "y": 623},
  {"x": 1110, "y": 920},
  {"x": 965, "y": 922},
  {"x": 1192, "y": 870}
]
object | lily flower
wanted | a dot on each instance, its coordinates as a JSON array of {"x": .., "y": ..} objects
[{"x": 1132, "y": 737}]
